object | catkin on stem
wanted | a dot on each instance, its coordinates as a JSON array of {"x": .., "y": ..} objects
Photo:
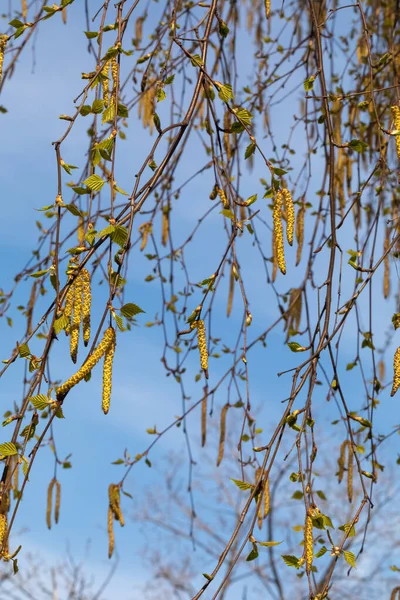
[
  {"x": 87, "y": 302},
  {"x": 308, "y": 542},
  {"x": 289, "y": 208},
  {"x": 300, "y": 233},
  {"x": 76, "y": 318},
  {"x": 349, "y": 472},
  {"x": 267, "y": 8},
  {"x": 3, "y": 43},
  {"x": 58, "y": 501},
  {"x": 110, "y": 530},
  {"x": 396, "y": 121},
  {"x": 107, "y": 374},
  {"x": 3, "y": 528},
  {"x": 202, "y": 344},
  {"x": 222, "y": 433},
  {"x": 105, "y": 83},
  {"x": 278, "y": 230},
  {"x": 396, "y": 372},
  {"x": 114, "y": 498},
  {"x": 108, "y": 338},
  {"x": 49, "y": 502}
]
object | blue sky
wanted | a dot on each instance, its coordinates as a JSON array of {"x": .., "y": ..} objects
[{"x": 142, "y": 395}]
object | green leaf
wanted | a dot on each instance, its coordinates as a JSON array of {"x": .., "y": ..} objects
[
  {"x": 358, "y": 145},
  {"x": 60, "y": 324},
  {"x": 350, "y": 558},
  {"x": 253, "y": 554},
  {"x": 297, "y": 495},
  {"x": 120, "y": 235},
  {"x": 278, "y": 171},
  {"x": 243, "y": 115},
  {"x": 349, "y": 529},
  {"x": 225, "y": 92},
  {"x": 85, "y": 110},
  {"x": 119, "y": 321},
  {"x": 269, "y": 544},
  {"x": 321, "y": 494},
  {"x": 228, "y": 213},
  {"x": 309, "y": 83},
  {"x": 40, "y": 273},
  {"x": 242, "y": 485},
  {"x": 73, "y": 210},
  {"x": 323, "y": 550},
  {"x": 122, "y": 111},
  {"x": 296, "y": 347},
  {"x": 94, "y": 183},
  {"x": 251, "y": 200},
  {"x": 108, "y": 114},
  {"x": 249, "y": 150},
  {"x": 290, "y": 560},
  {"x": 106, "y": 231},
  {"x": 196, "y": 60},
  {"x": 131, "y": 310},
  {"x": 40, "y": 401},
  {"x": 160, "y": 94},
  {"x": 91, "y": 34},
  {"x": 119, "y": 461},
  {"x": 97, "y": 106},
  {"x": 223, "y": 29},
  {"x": 8, "y": 449},
  {"x": 16, "y": 23},
  {"x": 23, "y": 350},
  {"x": 28, "y": 432}
]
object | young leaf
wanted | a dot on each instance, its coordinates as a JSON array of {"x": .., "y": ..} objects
[
  {"x": 242, "y": 485},
  {"x": 131, "y": 310},
  {"x": 8, "y": 449}
]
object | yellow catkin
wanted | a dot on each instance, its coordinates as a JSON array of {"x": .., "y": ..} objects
[
  {"x": 114, "y": 497},
  {"x": 114, "y": 72},
  {"x": 81, "y": 231},
  {"x": 289, "y": 208},
  {"x": 146, "y": 106},
  {"x": 165, "y": 227},
  {"x": 202, "y": 344},
  {"x": 223, "y": 198},
  {"x": 49, "y": 502},
  {"x": 308, "y": 542},
  {"x": 396, "y": 372},
  {"x": 64, "y": 15},
  {"x": 350, "y": 473},
  {"x": 274, "y": 258},
  {"x": 267, "y": 499},
  {"x": 105, "y": 83},
  {"x": 145, "y": 229},
  {"x": 300, "y": 233},
  {"x": 204, "y": 421},
  {"x": 76, "y": 318},
  {"x": 16, "y": 477},
  {"x": 87, "y": 302},
  {"x": 24, "y": 9},
  {"x": 3, "y": 43},
  {"x": 267, "y": 8},
  {"x": 341, "y": 459},
  {"x": 108, "y": 338},
  {"x": 3, "y": 528},
  {"x": 222, "y": 433},
  {"x": 110, "y": 530},
  {"x": 382, "y": 370},
  {"x": 107, "y": 374},
  {"x": 278, "y": 230},
  {"x": 58, "y": 501},
  {"x": 259, "y": 500},
  {"x": 396, "y": 121}
]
